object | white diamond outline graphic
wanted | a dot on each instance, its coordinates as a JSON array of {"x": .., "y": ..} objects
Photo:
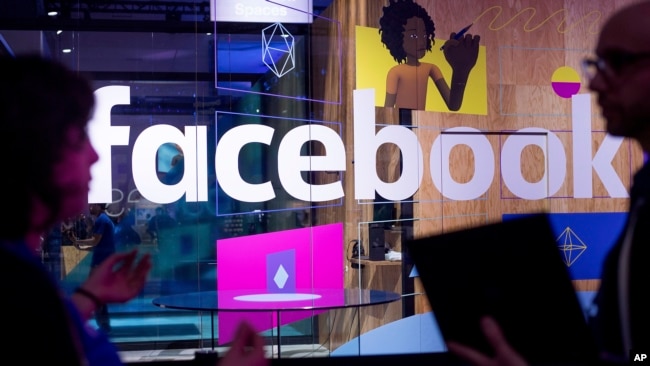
[
  {"x": 571, "y": 246},
  {"x": 281, "y": 277},
  {"x": 268, "y": 34}
]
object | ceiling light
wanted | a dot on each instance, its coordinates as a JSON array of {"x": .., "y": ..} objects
[
  {"x": 59, "y": 31},
  {"x": 52, "y": 13},
  {"x": 66, "y": 50}
]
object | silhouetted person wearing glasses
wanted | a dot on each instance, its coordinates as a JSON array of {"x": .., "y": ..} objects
[{"x": 620, "y": 76}]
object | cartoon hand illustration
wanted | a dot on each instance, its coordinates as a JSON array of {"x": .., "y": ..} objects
[
  {"x": 462, "y": 53},
  {"x": 408, "y": 32}
]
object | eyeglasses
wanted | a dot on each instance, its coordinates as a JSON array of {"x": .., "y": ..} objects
[{"x": 613, "y": 64}]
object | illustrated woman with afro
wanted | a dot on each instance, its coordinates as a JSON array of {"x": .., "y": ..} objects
[{"x": 407, "y": 31}]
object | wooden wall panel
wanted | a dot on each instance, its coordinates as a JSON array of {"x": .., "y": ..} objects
[{"x": 525, "y": 42}]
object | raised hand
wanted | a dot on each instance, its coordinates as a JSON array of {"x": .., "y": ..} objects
[
  {"x": 119, "y": 278},
  {"x": 247, "y": 349},
  {"x": 462, "y": 53},
  {"x": 504, "y": 354}
]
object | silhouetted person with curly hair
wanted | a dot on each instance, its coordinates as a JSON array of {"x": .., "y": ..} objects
[{"x": 408, "y": 32}]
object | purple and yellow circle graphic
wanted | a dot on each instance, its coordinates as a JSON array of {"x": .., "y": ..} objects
[{"x": 565, "y": 82}]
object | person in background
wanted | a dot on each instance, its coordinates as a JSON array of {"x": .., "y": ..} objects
[
  {"x": 51, "y": 252},
  {"x": 67, "y": 229},
  {"x": 102, "y": 244},
  {"x": 125, "y": 235},
  {"x": 82, "y": 226},
  {"x": 160, "y": 224},
  {"x": 620, "y": 76},
  {"x": 44, "y": 110}
]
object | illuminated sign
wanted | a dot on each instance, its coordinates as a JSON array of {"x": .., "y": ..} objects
[
  {"x": 290, "y": 164},
  {"x": 261, "y": 11}
]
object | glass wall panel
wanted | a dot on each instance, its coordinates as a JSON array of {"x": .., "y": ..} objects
[{"x": 274, "y": 176}]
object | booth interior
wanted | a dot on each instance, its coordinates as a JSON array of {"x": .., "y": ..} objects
[{"x": 265, "y": 157}]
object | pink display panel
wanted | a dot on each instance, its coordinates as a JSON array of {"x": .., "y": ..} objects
[{"x": 282, "y": 269}]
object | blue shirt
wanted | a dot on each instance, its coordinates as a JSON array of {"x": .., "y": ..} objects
[{"x": 103, "y": 226}]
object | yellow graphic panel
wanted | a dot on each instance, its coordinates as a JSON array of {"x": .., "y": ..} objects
[{"x": 373, "y": 61}]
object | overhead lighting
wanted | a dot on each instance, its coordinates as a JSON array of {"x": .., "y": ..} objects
[
  {"x": 66, "y": 50},
  {"x": 52, "y": 13},
  {"x": 59, "y": 31}
]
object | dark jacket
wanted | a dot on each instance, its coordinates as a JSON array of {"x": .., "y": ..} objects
[
  {"x": 606, "y": 323},
  {"x": 31, "y": 298}
]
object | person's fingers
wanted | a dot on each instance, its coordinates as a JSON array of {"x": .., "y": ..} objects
[
  {"x": 258, "y": 342},
  {"x": 499, "y": 343},
  {"x": 253, "y": 345},
  {"x": 246, "y": 334},
  {"x": 469, "y": 354},
  {"x": 144, "y": 265},
  {"x": 143, "y": 269},
  {"x": 127, "y": 262},
  {"x": 115, "y": 258},
  {"x": 252, "y": 342},
  {"x": 493, "y": 333},
  {"x": 135, "y": 277},
  {"x": 247, "y": 348},
  {"x": 469, "y": 40},
  {"x": 243, "y": 338},
  {"x": 237, "y": 345}
]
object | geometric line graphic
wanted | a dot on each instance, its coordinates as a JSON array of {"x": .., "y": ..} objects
[
  {"x": 280, "y": 65},
  {"x": 584, "y": 253},
  {"x": 571, "y": 246}
]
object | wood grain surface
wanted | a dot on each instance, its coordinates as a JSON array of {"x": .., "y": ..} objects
[{"x": 525, "y": 42}]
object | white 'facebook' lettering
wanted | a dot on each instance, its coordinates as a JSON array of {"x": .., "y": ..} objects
[{"x": 193, "y": 142}]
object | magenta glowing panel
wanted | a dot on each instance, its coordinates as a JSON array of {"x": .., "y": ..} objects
[{"x": 280, "y": 267}]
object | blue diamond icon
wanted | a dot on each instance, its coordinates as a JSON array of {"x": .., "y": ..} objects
[{"x": 281, "y": 277}]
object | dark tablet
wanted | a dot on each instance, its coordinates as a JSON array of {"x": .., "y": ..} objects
[{"x": 513, "y": 271}]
